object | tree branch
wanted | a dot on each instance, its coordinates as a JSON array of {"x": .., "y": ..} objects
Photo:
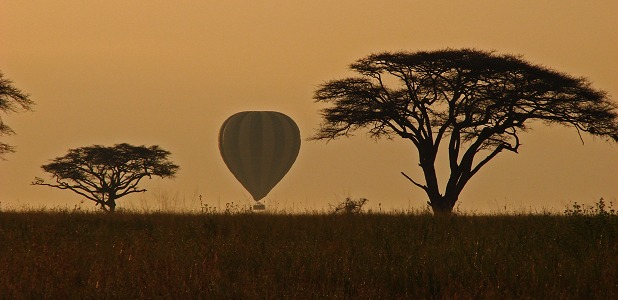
[
  {"x": 64, "y": 186},
  {"x": 414, "y": 182}
]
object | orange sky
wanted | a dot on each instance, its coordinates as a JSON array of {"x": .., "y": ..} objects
[{"x": 170, "y": 72}]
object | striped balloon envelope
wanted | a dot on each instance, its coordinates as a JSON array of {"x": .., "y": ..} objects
[{"x": 259, "y": 148}]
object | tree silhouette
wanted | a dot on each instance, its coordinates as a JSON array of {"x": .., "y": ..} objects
[
  {"x": 104, "y": 174},
  {"x": 11, "y": 100},
  {"x": 474, "y": 103}
]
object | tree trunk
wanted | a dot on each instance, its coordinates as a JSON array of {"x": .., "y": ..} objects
[
  {"x": 112, "y": 207},
  {"x": 111, "y": 203},
  {"x": 442, "y": 205}
]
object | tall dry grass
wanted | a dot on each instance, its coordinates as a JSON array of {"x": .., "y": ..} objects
[{"x": 77, "y": 255}]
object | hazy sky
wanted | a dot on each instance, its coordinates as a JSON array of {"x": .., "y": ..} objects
[{"x": 170, "y": 72}]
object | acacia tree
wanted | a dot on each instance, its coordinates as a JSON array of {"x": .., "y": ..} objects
[
  {"x": 474, "y": 103},
  {"x": 11, "y": 100},
  {"x": 104, "y": 174}
]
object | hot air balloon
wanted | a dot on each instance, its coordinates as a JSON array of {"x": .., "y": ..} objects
[{"x": 259, "y": 148}]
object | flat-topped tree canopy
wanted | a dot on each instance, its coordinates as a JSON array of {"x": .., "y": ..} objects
[
  {"x": 478, "y": 101},
  {"x": 104, "y": 174}
]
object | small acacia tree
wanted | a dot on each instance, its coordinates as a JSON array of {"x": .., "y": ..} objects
[
  {"x": 104, "y": 174},
  {"x": 474, "y": 103},
  {"x": 11, "y": 100}
]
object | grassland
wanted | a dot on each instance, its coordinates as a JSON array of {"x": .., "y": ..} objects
[{"x": 76, "y": 255}]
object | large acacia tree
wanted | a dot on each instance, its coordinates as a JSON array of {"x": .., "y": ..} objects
[
  {"x": 104, "y": 174},
  {"x": 12, "y": 99},
  {"x": 474, "y": 103}
]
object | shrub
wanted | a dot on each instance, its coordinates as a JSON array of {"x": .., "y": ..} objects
[
  {"x": 600, "y": 209},
  {"x": 350, "y": 206}
]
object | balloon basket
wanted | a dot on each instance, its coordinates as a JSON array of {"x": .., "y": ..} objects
[{"x": 259, "y": 206}]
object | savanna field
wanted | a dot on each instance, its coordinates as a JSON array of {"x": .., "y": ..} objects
[{"x": 84, "y": 255}]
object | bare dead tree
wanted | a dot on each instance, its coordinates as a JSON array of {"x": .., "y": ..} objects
[
  {"x": 105, "y": 174},
  {"x": 474, "y": 103}
]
